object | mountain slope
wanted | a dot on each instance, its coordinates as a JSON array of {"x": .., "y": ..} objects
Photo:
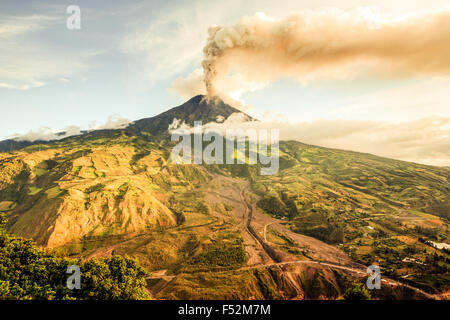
[
  {"x": 117, "y": 191},
  {"x": 197, "y": 108},
  {"x": 97, "y": 183}
]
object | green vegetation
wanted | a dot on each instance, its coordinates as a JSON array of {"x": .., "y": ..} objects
[
  {"x": 95, "y": 188},
  {"x": 138, "y": 156},
  {"x": 121, "y": 191},
  {"x": 377, "y": 209},
  {"x": 317, "y": 225},
  {"x": 244, "y": 284},
  {"x": 284, "y": 242},
  {"x": 204, "y": 207},
  {"x": 118, "y": 192},
  {"x": 221, "y": 256},
  {"x": 273, "y": 205},
  {"x": 357, "y": 292},
  {"x": 27, "y": 272},
  {"x": 76, "y": 170}
]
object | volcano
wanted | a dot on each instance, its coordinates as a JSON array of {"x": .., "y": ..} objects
[
  {"x": 118, "y": 191},
  {"x": 198, "y": 108}
]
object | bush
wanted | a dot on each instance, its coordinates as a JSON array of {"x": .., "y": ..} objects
[
  {"x": 26, "y": 272},
  {"x": 220, "y": 256},
  {"x": 273, "y": 205},
  {"x": 357, "y": 292},
  {"x": 95, "y": 188}
]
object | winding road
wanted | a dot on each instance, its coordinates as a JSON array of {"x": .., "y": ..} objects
[{"x": 272, "y": 253}]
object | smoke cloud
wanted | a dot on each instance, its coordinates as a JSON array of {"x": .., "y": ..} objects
[
  {"x": 325, "y": 44},
  {"x": 190, "y": 86}
]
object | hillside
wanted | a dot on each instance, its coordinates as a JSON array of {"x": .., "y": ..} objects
[
  {"x": 375, "y": 209},
  {"x": 116, "y": 192},
  {"x": 196, "y": 108}
]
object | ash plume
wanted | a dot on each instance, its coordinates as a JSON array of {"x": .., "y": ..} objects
[{"x": 331, "y": 43}]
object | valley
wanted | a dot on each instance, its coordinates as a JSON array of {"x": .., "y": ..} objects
[{"x": 225, "y": 231}]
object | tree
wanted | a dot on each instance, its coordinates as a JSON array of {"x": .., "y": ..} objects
[
  {"x": 26, "y": 272},
  {"x": 357, "y": 292}
]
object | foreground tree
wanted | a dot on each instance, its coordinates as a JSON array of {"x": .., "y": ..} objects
[
  {"x": 357, "y": 292},
  {"x": 26, "y": 272}
]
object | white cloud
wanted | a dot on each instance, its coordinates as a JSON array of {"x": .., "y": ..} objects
[
  {"x": 27, "y": 62},
  {"x": 405, "y": 102},
  {"x": 46, "y": 134},
  {"x": 114, "y": 121},
  {"x": 424, "y": 141},
  {"x": 190, "y": 86},
  {"x": 166, "y": 44},
  {"x": 11, "y": 26}
]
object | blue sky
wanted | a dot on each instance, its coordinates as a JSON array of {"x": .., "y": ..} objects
[{"x": 128, "y": 53}]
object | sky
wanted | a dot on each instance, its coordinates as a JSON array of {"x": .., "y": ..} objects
[{"x": 125, "y": 61}]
